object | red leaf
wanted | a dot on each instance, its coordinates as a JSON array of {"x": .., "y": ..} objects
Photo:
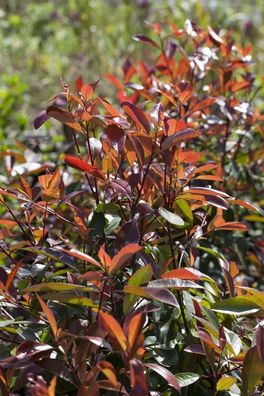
[
  {"x": 60, "y": 115},
  {"x": 232, "y": 226},
  {"x": 172, "y": 125},
  {"x": 87, "y": 91},
  {"x": 207, "y": 339},
  {"x": 209, "y": 177},
  {"x": 49, "y": 315},
  {"x": 12, "y": 274},
  {"x": 205, "y": 168},
  {"x": 111, "y": 110},
  {"x": 114, "y": 329},
  {"x": 218, "y": 202},
  {"x": 40, "y": 119},
  {"x": 104, "y": 258},
  {"x": 201, "y": 105},
  {"x": 78, "y": 83},
  {"x": 238, "y": 85},
  {"x": 166, "y": 374},
  {"x": 64, "y": 116},
  {"x": 123, "y": 256},
  {"x": 133, "y": 326},
  {"x": 114, "y": 133},
  {"x": 207, "y": 191},
  {"x": 260, "y": 341},
  {"x": 181, "y": 273},
  {"x": 136, "y": 115},
  {"x": 82, "y": 256},
  {"x": 179, "y": 137},
  {"x": 77, "y": 163},
  {"x": 138, "y": 379},
  {"x": 244, "y": 204},
  {"x": 108, "y": 371},
  {"x": 145, "y": 39}
]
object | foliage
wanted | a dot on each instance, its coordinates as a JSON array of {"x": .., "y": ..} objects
[{"x": 130, "y": 265}]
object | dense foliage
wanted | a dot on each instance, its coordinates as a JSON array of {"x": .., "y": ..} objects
[
  {"x": 132, "y": 263},
  {"x": 42, "y": 40}
]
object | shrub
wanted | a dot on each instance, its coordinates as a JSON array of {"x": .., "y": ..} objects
[{"x": 119, "y": 273}]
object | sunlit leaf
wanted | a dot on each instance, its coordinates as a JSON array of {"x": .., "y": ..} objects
[
  {"x": 174, "y": 284},
  {"x": 181, "y": 273},
  {"x": 114, "y": 329},
  {"x": 186, "y": 378},
  {"x": 172, "y": 218},
  {"x": 56, "y": 286},
  {"x": 179, "y": 137},
  {"x": 236, "y": 306},
  {"x": 185, "y": 208},
  {"x": 83, "y": 166},
  {"x": 225, "y": 383},
  {"x": 123, "y": 256}
]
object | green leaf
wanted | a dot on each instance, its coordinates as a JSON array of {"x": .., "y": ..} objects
[
  {"x": 252, "y": 371},
  {"x": 256, "y": 218},
  {"x": 112, "y": 225},
  {"x": 254, "y": 295},
  {"x": 141, "y": 276},
  {"x": 185, "y": 208},
  {"x": 172, "y": 218},
  {"x": 210, "y": 251},
  {"x": 236, "y": 306},
  {"x": 225, "y": 383},
  {"x": 7, "y": 323},
  {"x": 186, "y": 379},
  {"x": 56, "y": 286},
  {"x": 70, "y": 298}
]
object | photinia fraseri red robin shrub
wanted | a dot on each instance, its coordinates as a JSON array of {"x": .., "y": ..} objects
[{"x": 118, "y": 275}]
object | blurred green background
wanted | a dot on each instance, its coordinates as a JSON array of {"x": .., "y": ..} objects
[{"x": 42, "y": 41}]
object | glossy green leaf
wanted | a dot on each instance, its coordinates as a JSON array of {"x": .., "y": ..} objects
[
  {"x": 225, "y": 383},
  {"x": 56, "y": 286},
  {"x": 186, "y": 378},
  {"x": 185, "y": 208},
  {"x": 172, "y": 218},
  {"x": 236, "y": 306},
  {"x": 69, "y": 298},
  {"x": 140, "y": 277}
]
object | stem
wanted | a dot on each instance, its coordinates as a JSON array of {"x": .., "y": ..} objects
[
  {"x": 179, "y": 296},
  {"x": 44, "y": 224},
  {"x": 8, "y": 255},
  {"x": 79, "y": 152},
  {"x": 18, "y": 222},
  {"x": 224, "y": 147},
  {"x": 92, "y": 162},
  {"x": 147, "y": 169},
  {"x": 101, "y": 297}
]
